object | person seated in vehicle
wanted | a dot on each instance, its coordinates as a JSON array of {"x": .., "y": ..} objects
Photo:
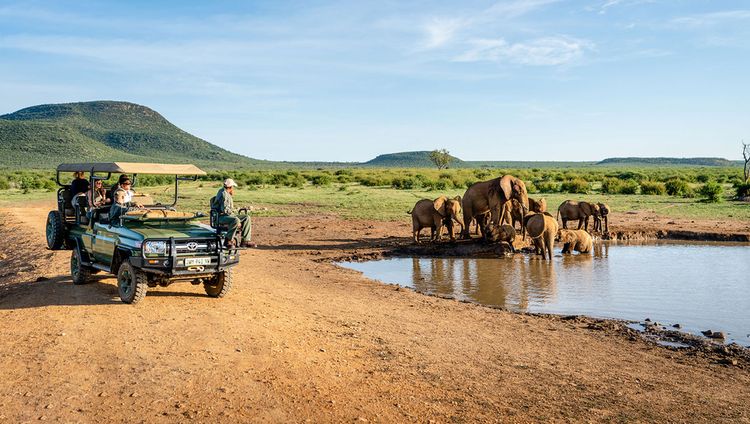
[
  {"x": 115, "y": 187},
  {"x": 124, "y": 187},
  {"x": 98, "y": 196},
  {"x": 79, "y": 184},
  {"x": 120, "y": 207},
  {"x": 224, "y": 205}
]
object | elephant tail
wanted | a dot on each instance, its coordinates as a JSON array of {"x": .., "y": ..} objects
[
  {"x": 557, "y": 217},
  {"x": 409, "y": 212}
]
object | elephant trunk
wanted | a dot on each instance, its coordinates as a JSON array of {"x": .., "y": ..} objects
[{"x": 606, "y": 223}]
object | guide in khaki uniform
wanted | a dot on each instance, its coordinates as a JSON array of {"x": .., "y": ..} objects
[{"x": 227, "y": 215}]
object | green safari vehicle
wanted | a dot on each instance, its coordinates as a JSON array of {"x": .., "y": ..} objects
[{"x": 148, "y": 247}]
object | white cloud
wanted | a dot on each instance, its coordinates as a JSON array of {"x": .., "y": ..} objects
[
  {"x": 546, "y": 51},
  {"x": 710, "y": 19},
  {"x": 440, "y": 31}
]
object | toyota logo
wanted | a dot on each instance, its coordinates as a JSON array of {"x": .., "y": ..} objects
[{"x": 192, "y": 246}]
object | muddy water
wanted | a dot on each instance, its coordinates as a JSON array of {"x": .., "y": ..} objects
[{"x": 699, "y": 286}]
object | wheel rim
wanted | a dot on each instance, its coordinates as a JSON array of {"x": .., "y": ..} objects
[
  {"x": 50, "y": 231},
  {"x": 75, "y": 266},
  {"x": 126, "y": 283}
]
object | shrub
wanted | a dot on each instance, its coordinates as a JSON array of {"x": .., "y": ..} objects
[
  {"x": 4, "y": 183},
  {"x": 611, "y": 185},
  {"x": 404, "y": 183},
  {"x": 677, "y": 187},
  {"x": 256, "y": 180},
  {"x": 531, "y": 188},
  {"x": 653, "y": 187},
  {"x": 742, "y": 190},
  {"x": 703, "y": 178},
  {"x": 547, "y": 187},
  {"x": 577, "y": 185},
  {"x": 629, "y": 187},
  {"x": 321, "y": 180},
  {"x": 712, "y": 191}
]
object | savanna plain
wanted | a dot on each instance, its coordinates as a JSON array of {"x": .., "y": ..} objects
[{"x": 302, "y": 339}]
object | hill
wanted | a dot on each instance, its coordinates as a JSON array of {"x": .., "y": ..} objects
[
  {"x": 667, "y": 162},
  {"x": 419, "y": 159},
  {"x": 46, "y": 135}
]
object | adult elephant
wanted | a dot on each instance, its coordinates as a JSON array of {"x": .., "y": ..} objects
[
  {"x": 542, "y": 228},
  {"x": 571, "y": 210},
  {"x": 490, "y": 196}
]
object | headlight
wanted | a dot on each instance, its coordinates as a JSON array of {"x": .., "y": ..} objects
[{"x": 155, "y": 248}]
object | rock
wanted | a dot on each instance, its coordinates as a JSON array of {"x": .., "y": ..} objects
[
  {"x": 707, "y": 333},
  {"x": 729, "y": 361},
  {"x": 718, "y": 335},
  {"x": 40, "y": 279},
  {"x": 647, "y": 319},
  {"x": 677, "y": 325}
]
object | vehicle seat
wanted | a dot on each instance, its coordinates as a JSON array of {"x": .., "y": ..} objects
[
  {"x": 214, "y": 217},
  {"x": 80, "y": 204},
  {"x": 67, "y": 203}
]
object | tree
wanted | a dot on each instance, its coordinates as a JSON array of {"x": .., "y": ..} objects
[
  {"x": 441, "y": 158},
  {"x": 746, "y": 156}
]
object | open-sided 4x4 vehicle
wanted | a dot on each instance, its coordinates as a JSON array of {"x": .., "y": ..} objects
[{"x": 149, "y": 247}]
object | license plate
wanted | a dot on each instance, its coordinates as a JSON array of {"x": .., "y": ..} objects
[{"x": 197, "y": 261}]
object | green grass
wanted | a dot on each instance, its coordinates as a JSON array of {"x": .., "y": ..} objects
[{"x": 354, "y": 201}]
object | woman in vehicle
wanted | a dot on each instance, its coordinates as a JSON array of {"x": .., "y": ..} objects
[{"x": 98, "y": 196}]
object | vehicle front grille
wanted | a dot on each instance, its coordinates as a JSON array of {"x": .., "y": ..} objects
[{"x": 194, "y": 247}]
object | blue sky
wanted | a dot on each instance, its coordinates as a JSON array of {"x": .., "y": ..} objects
[{"x": 345, "y": 81}]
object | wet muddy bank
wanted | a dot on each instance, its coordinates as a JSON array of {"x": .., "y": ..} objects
[{"x": 684, "y": 235}]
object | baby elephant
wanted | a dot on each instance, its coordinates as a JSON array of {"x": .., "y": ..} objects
[
  {"x": 504, "y": 234},
  {"x": 578, "y": 240},
  {"x": 433, "y": 214},
  {"x": 542, "y": 228}
]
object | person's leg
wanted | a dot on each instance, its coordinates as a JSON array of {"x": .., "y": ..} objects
[
  {"x": 232, "y": 222},
  {"x": 246, "y": 228}
]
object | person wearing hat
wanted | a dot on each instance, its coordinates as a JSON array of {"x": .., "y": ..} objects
[{"x": 227, "y": 215}]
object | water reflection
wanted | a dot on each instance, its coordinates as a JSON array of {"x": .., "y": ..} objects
[{"x": 697, "y": 285}]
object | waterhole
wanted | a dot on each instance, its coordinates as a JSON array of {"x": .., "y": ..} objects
[{"x": 698, "y": 286}]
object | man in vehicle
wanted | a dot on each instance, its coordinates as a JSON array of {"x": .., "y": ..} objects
[
  {"x": 116, "y": 186},
  {"x": 224, "y": 204},
  {"x": 124, "y": 187}
]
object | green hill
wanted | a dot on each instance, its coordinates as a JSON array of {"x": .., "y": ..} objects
[
  {"x": 46, "y": 135},
  {"x": 419, "y": 159}
]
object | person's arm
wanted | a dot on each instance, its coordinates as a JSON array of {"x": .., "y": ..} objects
[{"x": 227, "y": 204}]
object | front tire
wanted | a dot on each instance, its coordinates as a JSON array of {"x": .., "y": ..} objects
[
  {"x": 55, "y": 230},
  {"x": 131, "y": 283},
  {"x": 80, "y": 273},
  {"x": 219, "y": 285}
]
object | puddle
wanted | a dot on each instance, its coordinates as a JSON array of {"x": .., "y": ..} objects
[{"x": 701, "y": 286}]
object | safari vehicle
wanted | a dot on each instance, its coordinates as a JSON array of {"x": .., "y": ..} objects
[{"x": 148, "y": 247}]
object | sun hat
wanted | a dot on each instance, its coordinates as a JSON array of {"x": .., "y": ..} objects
[{"x": 229, "y": 183}]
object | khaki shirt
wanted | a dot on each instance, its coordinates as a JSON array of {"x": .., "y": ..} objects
[{"x": 224, "y": 203}]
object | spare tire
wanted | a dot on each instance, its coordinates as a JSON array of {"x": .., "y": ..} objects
[{"x": 55, "y": 230}]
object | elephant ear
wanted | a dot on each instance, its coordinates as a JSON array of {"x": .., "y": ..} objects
[
  {"x": 439, "y": 205},
  {"x": 506, "y": 185}
]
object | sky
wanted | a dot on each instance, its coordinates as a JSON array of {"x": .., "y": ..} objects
[{"x": 548, "y": 80}]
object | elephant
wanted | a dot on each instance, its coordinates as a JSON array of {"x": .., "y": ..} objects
[
  {"x": 578, "y": 240},
  {"x": 504, "y": 234},
  {"x": 538, "y": 205},
  {"x": 490, "y": 196},
  {"x": 434, "y": 214},
  {"x": 542, "y": 228},
  {"x": 511, "y": 213},
  {"x": 570, "y": 210},
  {"x": 603, "y": 212}
]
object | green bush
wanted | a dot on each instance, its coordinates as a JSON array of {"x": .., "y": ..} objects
[
  {"x": 712, "y": 191},
  {"x": 4, "y": 183},
  {"x": 406, "y": 183},
  {"x": 611, "y": 185},
  {"x": 653, "y": 187},
  {"x": 577, "y": 185},
  {"x": 629, "y": 187},
  {"x": 703, "y": 178},
  {"x": 677, "y": 187},
  {"x": 742, "y": 190},
  {"x": 321, "y": 180},
  {"x": 547, "y": 187},
  {"x": 531, "y": 187}
]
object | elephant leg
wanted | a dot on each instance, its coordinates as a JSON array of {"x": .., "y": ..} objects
[
  {"x": 468, "y": 217},
  {"x": 550, "y": 245},
  {"x": 565, "y": 223},
  {"x": 580, "y": 223}
]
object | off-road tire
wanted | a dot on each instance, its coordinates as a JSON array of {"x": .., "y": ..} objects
[
  {"x": 132, "y": 283},
  {"x": 81, "y": 274},
  {"x": 219, "y": 285},
  {"x": 55, "y": 230}
]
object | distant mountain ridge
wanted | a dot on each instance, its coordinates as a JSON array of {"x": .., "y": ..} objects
[
  {"x": 668, "y": 161},
  {"x": 47, "y": 135},
  {"x": 418, "y": 159}
]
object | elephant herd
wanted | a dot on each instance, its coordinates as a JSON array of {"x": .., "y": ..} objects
[{"x": 497, "y": 205}]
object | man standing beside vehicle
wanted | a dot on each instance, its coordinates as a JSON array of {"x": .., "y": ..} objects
[{"x": 224, "y": 204}]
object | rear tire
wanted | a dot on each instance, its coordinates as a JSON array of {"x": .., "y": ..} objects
[
  {"x": 55, "y": 230},
  {"x": 80, "y": 273},
  {"x": 132, "y": 283},
  {"x": 219, "y": 285}
]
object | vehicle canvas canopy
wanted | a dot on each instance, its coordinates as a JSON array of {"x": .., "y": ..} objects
[{"x": 105, "y": 170}]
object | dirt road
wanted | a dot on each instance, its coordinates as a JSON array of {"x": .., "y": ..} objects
[{"x": 301, "y": 339}]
